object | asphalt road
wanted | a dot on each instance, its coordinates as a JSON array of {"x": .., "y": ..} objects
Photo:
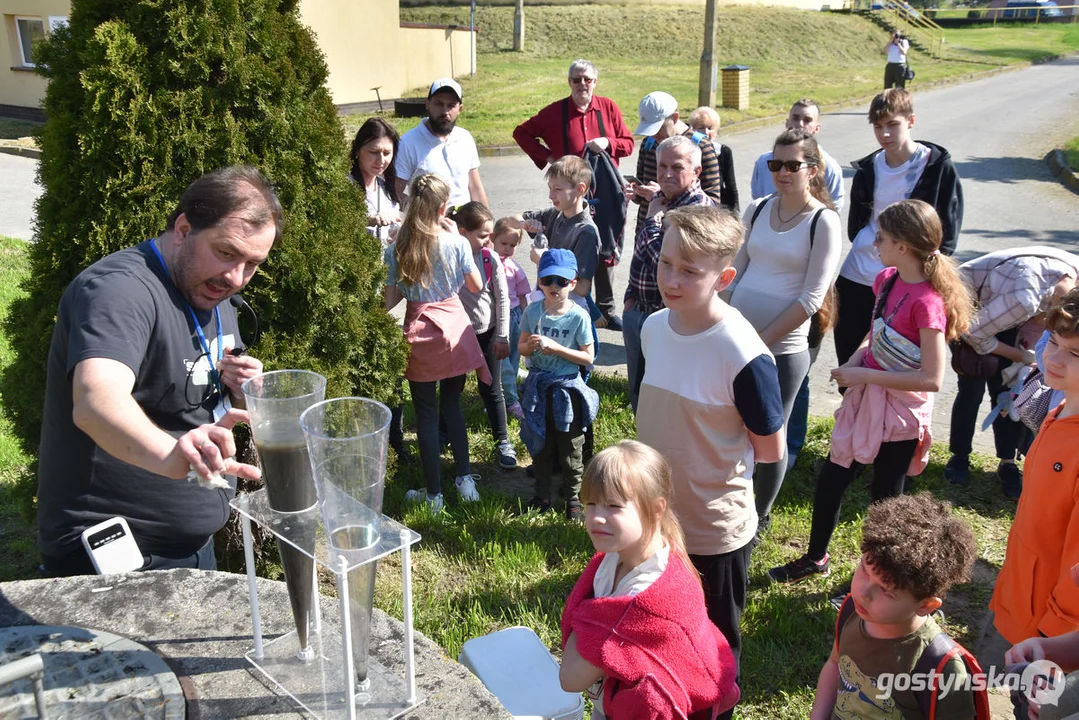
[{"x": 997, "y": 129}]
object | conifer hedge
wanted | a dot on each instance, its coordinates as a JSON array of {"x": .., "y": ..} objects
[{"x": 145, "y": 96}]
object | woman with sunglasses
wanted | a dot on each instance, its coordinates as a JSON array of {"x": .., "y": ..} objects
[
  {"x": 785, "y": 269},
  {"x": 427, "y": 264},
  {"x": 374, "y": 150}
]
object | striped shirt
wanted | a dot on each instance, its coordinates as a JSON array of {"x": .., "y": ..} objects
[{"x": 643, "y": 287}]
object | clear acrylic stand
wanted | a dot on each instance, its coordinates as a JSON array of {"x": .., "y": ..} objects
[{"x": 322, "y": 681}]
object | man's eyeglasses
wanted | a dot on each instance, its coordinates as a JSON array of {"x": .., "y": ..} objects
[
  {"x": 554, "y": 280},
  {"x": 792, "y": 166},
  {"x": 582, "y": 80}
]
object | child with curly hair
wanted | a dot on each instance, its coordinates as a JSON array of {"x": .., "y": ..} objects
[{"x": 913, "y": 549}]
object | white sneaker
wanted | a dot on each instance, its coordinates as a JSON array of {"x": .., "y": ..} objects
[
  {"x": 435, "y": 502},
  {"x": 466, "y": 488}
]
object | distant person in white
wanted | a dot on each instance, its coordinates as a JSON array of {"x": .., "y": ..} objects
[
  {"x": 895, "y": 72},
  {"x": 804, "y": 115},
  {"x": 439, "y": 147}
]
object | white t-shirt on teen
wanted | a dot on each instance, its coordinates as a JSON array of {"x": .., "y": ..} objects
[{"x": 890, "y": 186}]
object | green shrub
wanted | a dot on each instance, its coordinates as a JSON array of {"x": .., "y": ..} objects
[{"x": 145, "y": 96}]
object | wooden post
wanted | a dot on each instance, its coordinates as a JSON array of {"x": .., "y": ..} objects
[
  {"x": 706, "y": 89},
  {"x": 519, "y": 26}
]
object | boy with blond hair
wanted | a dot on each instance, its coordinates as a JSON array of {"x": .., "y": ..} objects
[
  {"x": 710, "y": 404},
  {"x": 706, "y": 120},
  {"x": 913, "y": 549}
]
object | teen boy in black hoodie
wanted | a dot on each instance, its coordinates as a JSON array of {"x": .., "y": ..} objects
[{"x": 903, "y": 168}]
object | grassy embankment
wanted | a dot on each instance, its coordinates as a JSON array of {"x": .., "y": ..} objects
[
  {"x": 483, "y": 567},
  {"x": 832, "y": 57}
]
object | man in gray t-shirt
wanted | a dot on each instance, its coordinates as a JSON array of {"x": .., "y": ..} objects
[{"x": 141, "y": 382}]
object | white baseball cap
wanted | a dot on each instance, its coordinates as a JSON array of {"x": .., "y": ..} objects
[
  {"x": 654, "y": 109},
  {"x": 443, "y": 83}
]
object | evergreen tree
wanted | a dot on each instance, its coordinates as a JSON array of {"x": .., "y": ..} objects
[{"x": 145, "y": 96}]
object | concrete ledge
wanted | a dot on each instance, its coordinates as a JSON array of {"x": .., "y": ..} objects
[
  {"x": 21, "y": 151},
  {"x": 200, "y": 622},
  {"x": 1058, "y": 165}
]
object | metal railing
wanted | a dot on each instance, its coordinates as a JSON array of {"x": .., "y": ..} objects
[{"x": 915, "y": 25}]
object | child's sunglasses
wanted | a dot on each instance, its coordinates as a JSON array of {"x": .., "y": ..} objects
[
  {"x": 554, "y": 279},
  {"x": 792, "y": 166}
]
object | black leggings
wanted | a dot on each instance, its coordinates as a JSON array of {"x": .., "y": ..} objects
[
  {"x": 889, "y": 474},
  {"x": 855, "y": 316},
  {"x": 493, "y": 400},
  {"x": 432, "y": 400}
]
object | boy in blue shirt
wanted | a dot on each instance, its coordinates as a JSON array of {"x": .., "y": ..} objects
[{"x": 557, "y": 335}]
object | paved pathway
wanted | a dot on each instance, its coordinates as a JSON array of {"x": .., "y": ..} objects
[{"x": 998, "y": 129}]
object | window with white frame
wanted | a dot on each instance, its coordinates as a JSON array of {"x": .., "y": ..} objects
[{"x": 31, "y": 31}]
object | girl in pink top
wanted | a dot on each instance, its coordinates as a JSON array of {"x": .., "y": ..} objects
[
  {"x": 506, "y": 239},
  {"x": 922, "y": 304}
]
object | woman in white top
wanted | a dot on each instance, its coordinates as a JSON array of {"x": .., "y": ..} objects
[
  {"x": 374, "y": 150},
  {"x": 895, "y": 72},
  {"x": 785, "y": 269}
]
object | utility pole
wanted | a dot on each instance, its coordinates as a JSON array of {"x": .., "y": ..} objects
[
  {"x": 706, "y": 89},
  {"x": 519, "y": 26}
]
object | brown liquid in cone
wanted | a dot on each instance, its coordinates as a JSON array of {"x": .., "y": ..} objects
[{"x": 289, "y": 488}]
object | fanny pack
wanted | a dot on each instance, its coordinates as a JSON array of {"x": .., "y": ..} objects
[{"x": 891, "y": 350}]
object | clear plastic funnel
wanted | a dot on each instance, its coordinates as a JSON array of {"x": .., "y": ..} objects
[
  {"x": 276, "y": 400},
  {"x": 347, "y": 439}
]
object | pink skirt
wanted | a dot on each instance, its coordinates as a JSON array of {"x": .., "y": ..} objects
[{"x": 442, "y": 341}]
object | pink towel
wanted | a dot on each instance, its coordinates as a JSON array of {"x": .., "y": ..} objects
[
  {"x": 871, "y": 414},
  {"x": 443, "y": 343}
]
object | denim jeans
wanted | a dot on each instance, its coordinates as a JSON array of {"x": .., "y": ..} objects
[
  {"x": 968, "y": 399},
  {"x": 632, "y": 322},
  {"x": 512, "y": 364}
]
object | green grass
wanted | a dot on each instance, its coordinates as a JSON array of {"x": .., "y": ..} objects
[
  {"x": 17, "y": 549},
  {"x": 833, "y": 57},
  {"x": 1071, "y": 153},
  {"x": 11, "y": 129},
  {"x": 485, "y": 566}
]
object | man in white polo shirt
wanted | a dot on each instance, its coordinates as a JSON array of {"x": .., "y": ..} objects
[{"x": 438, "y": 146}]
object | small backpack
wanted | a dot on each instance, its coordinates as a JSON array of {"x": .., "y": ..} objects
[{"x": 936, "y": 655}]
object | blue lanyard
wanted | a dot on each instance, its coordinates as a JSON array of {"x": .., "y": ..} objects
[{"x": 198, "y": 328}]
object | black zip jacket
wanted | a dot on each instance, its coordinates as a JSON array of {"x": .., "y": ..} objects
[{"x": 939, "y": 186}]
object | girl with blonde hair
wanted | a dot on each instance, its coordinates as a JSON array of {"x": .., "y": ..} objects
[
  {"x": 921, "y": 305},
  {"x": 426, "y": 266},
  {"x": 635, "y": 627}
]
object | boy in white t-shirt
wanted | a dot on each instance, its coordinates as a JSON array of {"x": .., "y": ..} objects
[
  {"x": 710, "y": 403},
  {"x": 902, "y": 169}
]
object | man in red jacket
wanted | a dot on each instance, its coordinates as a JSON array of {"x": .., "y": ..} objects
[{"x": 569, "y": 126}]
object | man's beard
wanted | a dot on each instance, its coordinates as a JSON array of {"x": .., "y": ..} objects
[{"x": 441, "y": 127}]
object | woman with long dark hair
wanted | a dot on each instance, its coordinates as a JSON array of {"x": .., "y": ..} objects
[
  {"x": 785, "y": 269},
  {"x": 374, "y": 150}
]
